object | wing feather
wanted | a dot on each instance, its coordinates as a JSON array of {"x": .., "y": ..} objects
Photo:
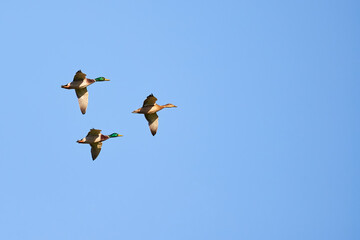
[
  {"x": 150, "y": 100},
  {"x": 95, "y": 149},
  {"x": 94, "y": 132},
  {"x": 79, "y": 76},
  {"x": 83, "y": 96},
  {"x": 153, "y": 121}
]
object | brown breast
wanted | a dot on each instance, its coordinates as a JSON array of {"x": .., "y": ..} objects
[{"x": 104, "y": 137}]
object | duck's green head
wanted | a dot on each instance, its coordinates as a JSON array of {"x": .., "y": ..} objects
[
  {"x": 100, "y": 79},
  {"x": 115, "y": 135}
]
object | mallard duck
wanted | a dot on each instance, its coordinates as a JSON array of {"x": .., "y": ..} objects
[
  {"x": 80, "y": 83},
  {"x": 95, "y": 139},
  {"x": 149, "y": 109}
]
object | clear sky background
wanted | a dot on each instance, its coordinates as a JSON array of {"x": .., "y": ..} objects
[{"x": 264, "y": 143}]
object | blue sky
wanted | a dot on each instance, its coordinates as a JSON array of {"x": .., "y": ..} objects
[{"x": 263, "y": 144}]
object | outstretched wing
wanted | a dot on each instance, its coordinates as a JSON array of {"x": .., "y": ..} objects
[
  {"x": 95, "y": 149},
  {"x": 153, "y": 121},
  {"x": 83, "y": 96},
  {"x": 150, "y": 100},
  {"x": 79, "y": 76},
  {"x": 93, "y": 132}
]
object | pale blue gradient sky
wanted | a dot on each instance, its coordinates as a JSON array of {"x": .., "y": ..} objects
[{"x": 264, "y": 143}]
